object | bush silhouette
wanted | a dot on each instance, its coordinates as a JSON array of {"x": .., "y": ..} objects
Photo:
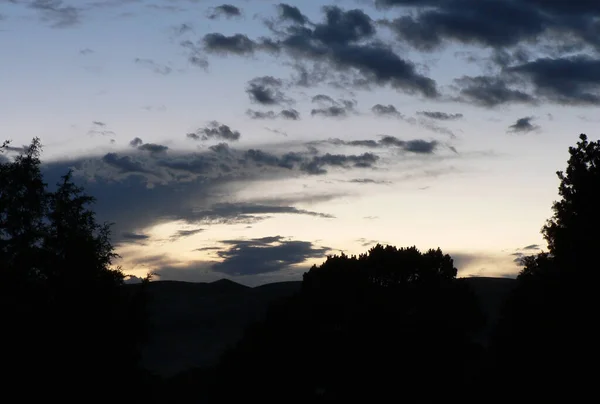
[
  {"x": 389, "y": 322},
  {"x": 68, "y": 324}
]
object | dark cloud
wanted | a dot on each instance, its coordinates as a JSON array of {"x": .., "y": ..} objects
[
  {"x": 266, "y": 90},
  {"x": 291, "y": 13},
  {"x": 125, "y": 164},
  {"x": 133, "y": 237},
  {"x": 386, "y": 110},
  {"x": 137, "y": 190},
  {"x": 215, "y": 130},
  {"x": 153, "y": 148},
  {"x": 261, "y": 114},
  {"x": 523, "y": 125},
  {"x": 224, "y": 10},
  {"x": 414, "y": 146},
  {"x": 149, "y": 147},
  {"x": 290, "y": 114},
  {"x": 237, "y": 44},
  {"x": 442, "y": 116},
  {"x": 135, "y": 142},
  {"x": 154, "y": 66},
  {"x": 57, "y": 13},
  {"x": 185, "y": 233},
  {"x": 249, "y": 212},
  {"x": 345, "y": 42},
  {"x": 86, "y": 51},
  {"x": 489, "y": 91},
  {"x": 532, "y": 247},
  {"x": 570, "y": 24},
  {"x": 317, "y": 164},
  {"x": 332, "y": 108},
  {"x": 267, "y": 254},
  {"x": 568, "y": 80}
]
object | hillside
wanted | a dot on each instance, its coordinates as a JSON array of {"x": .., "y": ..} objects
[{"x": 193, "y": 323}]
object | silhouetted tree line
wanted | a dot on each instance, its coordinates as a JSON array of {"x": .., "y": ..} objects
[
  {"x": 392, "y": 324},
  {"x": 70, "y": 330}
]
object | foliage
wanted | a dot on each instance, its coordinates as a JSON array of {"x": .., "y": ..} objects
[
  {"x": 70, "y": 319},
  {"x": 361, "y": 327},
  {"x": 547, "y": 328}
]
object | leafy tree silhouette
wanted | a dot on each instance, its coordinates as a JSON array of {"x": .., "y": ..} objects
[
  {"x": 548, "y": 334},
  {"x": 70, "y": 328},
  {"x": 388, "y": 323}
]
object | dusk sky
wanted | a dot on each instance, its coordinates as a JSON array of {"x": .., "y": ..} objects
[{"x": 249, "y": 140}]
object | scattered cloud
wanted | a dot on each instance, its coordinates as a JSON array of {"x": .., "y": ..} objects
[
  {"x": 328, "y": 107},
  {"x": 266, "y": 254},
  {"x": 215, "y": 130},
  {"x": 441, "y": 116},
  {"x": 523, "y": 125},
  {"x": 266, "y": 90},
  {"x": 224, "y": 10},
  {"x": 289, "y": 114},
  {"x": 386, "y": 110},
  {"x": 154, "y": 66},
  {"x": 415, "y": 145}
]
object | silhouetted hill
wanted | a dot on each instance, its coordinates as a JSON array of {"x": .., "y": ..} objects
[{"x": 193, "y": 323}]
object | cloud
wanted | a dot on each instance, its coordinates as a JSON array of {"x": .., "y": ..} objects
[
  {"x": 523, "y": 125},
  {"x": 385, "y": 110},
  {"x": 418, "y": 146},
  {"x": 237, "y": 44},
  {"x": 317, "y": 164},
  {"x": 328, "y": 107},
  {"x": 291, "y": 13},
  {"x": 249, "y": 212},
  {"x": 441, "y": 116},
  {"x": 215, "y": 130},
  {"x": 135, "y": 142},
  {"x": 266, "y": 90},
  {"x": 139, "y": 190},
  {"x": 152, "y": 65},
  {"x": 466, "y": 22},
  {"x": 266, "y": 254},
  {"x": 289, "y": 114},
  {"x": 134, "y": 237},
  {"x": 224, "y": 10},
  {"x": 567, "y": 80},
  {"x": 153, "y": 148},
  {"x": 86, "y": 51},
  {"x": 185, "y": 233},
  {"x": 99, "y": 128},
  {"x": 57, "y": 13},
  {"x": 491, "y": 91},
  {"x": 196, "y": 55},
  {"x": 345, "y": 42}
]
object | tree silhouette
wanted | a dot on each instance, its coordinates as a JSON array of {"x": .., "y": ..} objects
[
  {"x": 388, "y": 323},
  {"x": 68, "y": 323},
  {"x": 548, "y": 333}
]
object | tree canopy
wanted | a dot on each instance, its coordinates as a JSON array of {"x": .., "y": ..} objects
[
  {"x": 361, "y": 327},
  {"x": 67, "y": 319},
  {"x": 548, "y": 328}
]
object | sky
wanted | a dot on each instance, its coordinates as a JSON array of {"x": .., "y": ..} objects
[{"x": 251, "y": 139}]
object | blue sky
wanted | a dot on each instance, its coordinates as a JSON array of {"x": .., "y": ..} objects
[{"x": 250, "y": 139}]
